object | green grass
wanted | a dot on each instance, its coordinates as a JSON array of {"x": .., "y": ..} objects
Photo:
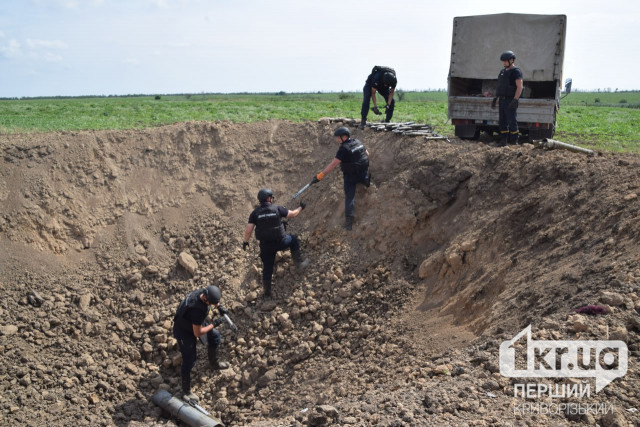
[
  {"x": 602, "y": 128},
  {"x": 607, "y": 124},
  {"x": 603, "y": 99},
  {"x": 28, "y": 115}
]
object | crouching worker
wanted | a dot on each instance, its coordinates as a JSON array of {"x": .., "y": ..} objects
[
  {"x": 267, "y": 221},
  {"x": 189, "y": 324}
]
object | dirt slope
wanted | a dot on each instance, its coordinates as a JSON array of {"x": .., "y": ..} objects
[{"x": 457, "y": 246}]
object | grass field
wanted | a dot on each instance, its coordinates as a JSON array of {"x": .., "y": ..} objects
[{"x": 602, "y": 120}]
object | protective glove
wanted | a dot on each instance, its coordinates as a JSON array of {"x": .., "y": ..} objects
[
  {"x": 493, "y": 103},
  {"x": 302, "y": 205},
  {"x": 245, "y": 245},
  {"x": 513, "y": 104},
  {"x": 376, "y": 110},
  {"x": 316, "y": 179},
  {"x": 219, "y": 321},
  {"x": 222, "y": 310}
]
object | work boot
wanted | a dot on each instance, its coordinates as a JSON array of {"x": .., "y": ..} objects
[
  {"x": 187, "y": 395},
  {"x": 502, "y": 140},
  {"x": 513, "y": 138},
  {"x": 348, "y": 223},
  {"x": 214, "y": 359},
  {"x": 190, "y": 397},
  {"x": 297, "y": 259},
  {"x": 302, "y": 265},
  {"x": 363, "y": 123},
  {"x": 266, "y": 284}
]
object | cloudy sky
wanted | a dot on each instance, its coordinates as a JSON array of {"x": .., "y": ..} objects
[{"x": 117, "y": 47}]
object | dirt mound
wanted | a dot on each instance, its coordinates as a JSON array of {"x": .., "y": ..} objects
[{"x": 456, "y": 247}]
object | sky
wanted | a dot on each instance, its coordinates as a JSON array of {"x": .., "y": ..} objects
[{"x": 121, "y": 47}]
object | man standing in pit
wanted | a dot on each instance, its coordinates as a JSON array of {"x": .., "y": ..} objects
[
  {"x": 189, "y": 324},
  {"x": 383, "y": 80},
  {"x": 353, "y": 158},
  {"x": 267, "y": 221},
  {"x": 508, "y": 93}
]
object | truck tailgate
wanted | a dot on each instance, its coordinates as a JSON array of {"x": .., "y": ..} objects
[{"x": 479, "y": 109}]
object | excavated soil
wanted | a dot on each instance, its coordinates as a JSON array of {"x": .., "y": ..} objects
[{"x": 457, "y": 246}]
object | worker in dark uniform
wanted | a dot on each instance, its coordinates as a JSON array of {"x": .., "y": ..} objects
[
  {"x": 353, "y": 158},
  {"x": 383, "y": 80},
  {"x": 508, "y": 93},
  {"x": 189, "y": 324},
  {"x": 267, "y": 221}
]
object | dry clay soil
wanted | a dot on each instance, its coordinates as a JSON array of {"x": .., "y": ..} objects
[{"x": 457, "y": 246}]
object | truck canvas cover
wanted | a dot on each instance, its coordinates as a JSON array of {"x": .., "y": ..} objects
[{"x": 537, "y": 41}]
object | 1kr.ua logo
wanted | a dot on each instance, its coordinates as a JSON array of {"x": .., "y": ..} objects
[{"x": 602, "y": 360}]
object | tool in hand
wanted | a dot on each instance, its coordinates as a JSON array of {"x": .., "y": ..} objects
[
  {"x": 225, "y": 314},
  {"x": 302, "y": 190}
]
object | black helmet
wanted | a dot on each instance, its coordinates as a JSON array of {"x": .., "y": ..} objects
[
  {"x": 342, "y": 131},
  {"x": 212, "y": 294},
  {"x": 507, "y": 56},
  {"x": 389, "y": 79},
  {"x": 264, "y": 194}
]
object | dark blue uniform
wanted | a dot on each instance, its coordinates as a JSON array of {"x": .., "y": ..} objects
[
  {"x": 354, "y": 163},
  {"x": 270, "y": 232},
  {"x": 192, "y": 311},
  {"x": 506, "y": 90},
  {"x": 374, "y": 80}
]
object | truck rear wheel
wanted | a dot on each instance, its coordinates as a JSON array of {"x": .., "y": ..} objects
[
  {"x": 535, "y": 134},
  {"x": 467, "y": 131}
]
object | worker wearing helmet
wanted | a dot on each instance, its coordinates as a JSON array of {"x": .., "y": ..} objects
[
  {"x": 383, "y": 80},
  {"x": 508, "y": 93},
  {"x": 189, "y": 324},
  {"x": 267, "y": 221},
  {"x": 353, "y": 158}
]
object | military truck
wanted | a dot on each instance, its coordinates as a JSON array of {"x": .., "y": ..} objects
[{"x": 538, "y": 43}]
